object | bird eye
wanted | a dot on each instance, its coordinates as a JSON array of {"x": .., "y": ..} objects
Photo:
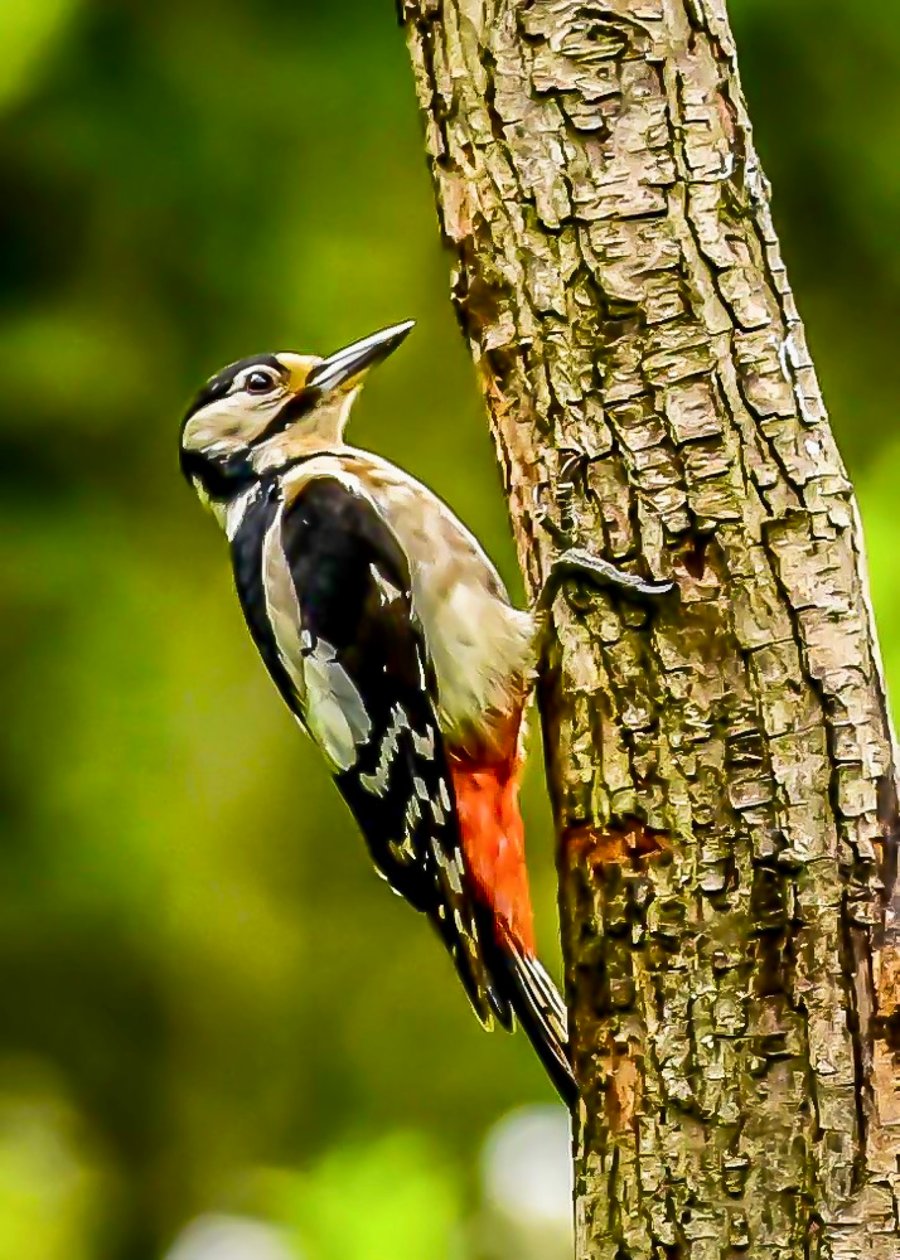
[{"x": 260, "y": 382}]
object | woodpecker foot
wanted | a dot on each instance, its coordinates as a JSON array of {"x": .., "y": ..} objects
[{"x": 576, "y": 562}]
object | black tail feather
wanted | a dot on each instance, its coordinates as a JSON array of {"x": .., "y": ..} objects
[{"x": 541, "y": 1011}]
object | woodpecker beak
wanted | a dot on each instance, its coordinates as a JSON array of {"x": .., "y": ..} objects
[{"x": 344, "y": 366}]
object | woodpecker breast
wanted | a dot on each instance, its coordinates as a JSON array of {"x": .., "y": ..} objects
[{"x": 482, "y": 649}]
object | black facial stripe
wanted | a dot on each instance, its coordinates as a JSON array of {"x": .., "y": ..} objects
[
  {"x": 294, "y": 409},
  {"x": 219, "y": 385},
  {"x": 221, "y": 478}
]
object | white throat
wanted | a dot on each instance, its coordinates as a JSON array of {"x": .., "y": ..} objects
[{"x": 321, "y": 430}]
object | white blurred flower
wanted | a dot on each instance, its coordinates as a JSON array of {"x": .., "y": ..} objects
[
  {"x": 527, "y": 1165},
  {"x": 219, "y": 1237},
  {"x": 526, "y": 1173}
]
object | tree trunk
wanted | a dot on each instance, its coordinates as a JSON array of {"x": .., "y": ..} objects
[{"x": 721, "y": 766}]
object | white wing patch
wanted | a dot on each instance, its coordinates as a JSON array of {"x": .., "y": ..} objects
[{"x": 333, "y": 710}]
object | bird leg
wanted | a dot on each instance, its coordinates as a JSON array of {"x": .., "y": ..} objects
[{"x": 574, "y": 561}]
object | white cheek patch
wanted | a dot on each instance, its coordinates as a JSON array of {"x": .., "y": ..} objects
[{"x": 228, "y": 424}]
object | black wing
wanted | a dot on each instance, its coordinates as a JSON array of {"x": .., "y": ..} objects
[{"x": 364, "y": 688}]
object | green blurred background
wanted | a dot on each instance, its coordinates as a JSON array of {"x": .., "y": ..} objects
[{"x": 220, "y": 1037}]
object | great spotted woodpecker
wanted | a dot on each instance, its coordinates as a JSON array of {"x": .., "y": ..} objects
[{"x": 392, "y": 639}]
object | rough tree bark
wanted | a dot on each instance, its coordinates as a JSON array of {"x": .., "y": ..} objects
[{"x": 722, "y": 767}]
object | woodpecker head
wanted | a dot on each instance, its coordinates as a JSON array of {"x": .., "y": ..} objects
[{"x": 258, "y": 413}]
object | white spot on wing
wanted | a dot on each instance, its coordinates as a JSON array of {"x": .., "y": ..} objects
[
  {"x": 424, "y": 744},
  {"x": 377, "y": 781},
  {"x": 454, "y": 877},
  {"x": 450, "y": 866},
  {"x": 413, "y": 813},
  {"x": 402, "y": 852},
  {"x": 386, "y": 589}
]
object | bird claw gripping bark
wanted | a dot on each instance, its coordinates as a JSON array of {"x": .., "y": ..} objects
[{"x": 575, "y": 561}]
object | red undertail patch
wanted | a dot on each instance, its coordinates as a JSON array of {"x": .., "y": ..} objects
[{"x": 493, "y": 840}]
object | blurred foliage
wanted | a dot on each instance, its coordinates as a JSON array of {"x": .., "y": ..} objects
[
  {"x": 409, "y": 1201},
  {"x": 203, "y": 980}
]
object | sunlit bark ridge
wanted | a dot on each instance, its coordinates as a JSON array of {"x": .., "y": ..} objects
[{"x": 721, "y": 766}]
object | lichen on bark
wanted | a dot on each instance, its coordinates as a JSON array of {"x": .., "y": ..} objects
[{"x": 722, "y": 765}]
